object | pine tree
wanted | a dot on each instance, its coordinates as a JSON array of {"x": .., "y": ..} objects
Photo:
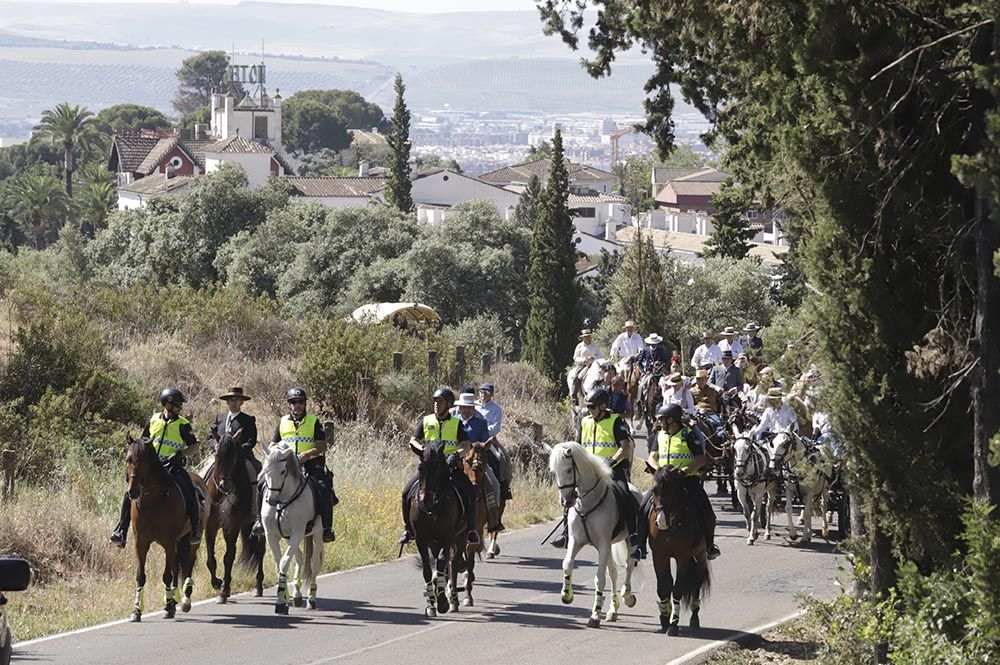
[
  {"x": 551, "y": 331},
  {"x": 732, "y": 234},
  {"x": 397, "y": 191},
  {"x": 528, "y": 204}
]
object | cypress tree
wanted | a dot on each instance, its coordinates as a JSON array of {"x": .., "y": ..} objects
[
  {"x": 551, "y": 331},
  {"x": 639, "y": 288},
  {"x": 732, "y": 233},
  {"x": 397, "y": 191},
  {"x": 528, "y": 204}
]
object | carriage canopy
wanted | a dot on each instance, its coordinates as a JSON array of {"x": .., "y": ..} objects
[{"x": 401, "y": 314}]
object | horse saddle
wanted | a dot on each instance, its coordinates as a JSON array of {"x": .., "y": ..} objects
[{"x": 625, "y": 501}]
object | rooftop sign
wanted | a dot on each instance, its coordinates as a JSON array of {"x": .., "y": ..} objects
[{"x": 252, "y": 74}]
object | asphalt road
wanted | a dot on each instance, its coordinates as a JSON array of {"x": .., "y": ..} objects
[{"x": 375, "y": 614}]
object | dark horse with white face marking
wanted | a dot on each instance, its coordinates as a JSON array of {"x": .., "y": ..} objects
[
  {"x": 437, "y": 523},
  {"x": 232, "y": 494}
]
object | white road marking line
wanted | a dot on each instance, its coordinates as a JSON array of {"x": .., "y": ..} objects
[
  {"x": 422, "y": 631},
  {"x": 735, "y": 635}
]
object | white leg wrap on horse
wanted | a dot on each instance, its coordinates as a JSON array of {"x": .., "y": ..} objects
[
  {"x": 140, "y": 599},
  {"x": 663, "y": 604},
  {"x": 675, "y": 609}
]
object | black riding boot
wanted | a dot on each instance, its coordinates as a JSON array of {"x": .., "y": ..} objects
[
  {"x": 470, "y": 497},
  {"x": 120, "y": 534},
  {"x": 642, "y": 528},
  {"x": 630, "y": 514},
  {"x": 326, "y": 514},
  {"x": 407, "y": 535},
  {"x": 562, "y": 540},
  {"x": 186, "y": 485},
  {"x": 707, "y": 515},
  {"x": 258, "y": 527}
]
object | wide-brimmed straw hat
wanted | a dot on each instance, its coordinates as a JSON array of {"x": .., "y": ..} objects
[
  {"x": 235, "y": 392},
  {"x": 466, "y": 399},
  {"x": 653, "y": 339},
  {"x": 728, "y": 330},
  {"x": 751, "y": 327},
  {"x": 775, "y": 393},
  {"x": 701, "y": 374},
  {"x": 629, "y": 324},
  {"x": 585, "y": 332},
  {"x": 675, "y": 379}
]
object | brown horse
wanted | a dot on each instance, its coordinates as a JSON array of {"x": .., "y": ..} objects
[
  {"x": 475, "y": 469},
  {"x": 674, "y": 534},
  {"x": 159, "y": 516},
  {"x": 438, "y": 527},
  {"x": 232, "y": 493},
  {"x": 633, "y": 375}
]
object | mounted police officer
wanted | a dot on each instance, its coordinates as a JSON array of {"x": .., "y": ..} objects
[
  {"x": 607, "y": 435},
  {"x": 678, "y": 447},
  {"x": 443, "y": 426},
  {"x": 304, "y": 433},
  {"x": 174, "y": 442}
]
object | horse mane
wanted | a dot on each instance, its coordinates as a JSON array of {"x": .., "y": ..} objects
[
  {"x": 227, "y": 450},
  {"x": 282, "y": 452},
  {"x": 583, "y": 457},
  {"x": 141, "y": 447}
]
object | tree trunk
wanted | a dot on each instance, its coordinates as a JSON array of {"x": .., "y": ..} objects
[
  {"x": 68, "y": 159},
  {"x": 985, "y": 378},
  {"x": 883, "y": 570}
]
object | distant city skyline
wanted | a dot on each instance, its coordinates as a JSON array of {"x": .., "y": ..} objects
[{"x": 418, "y": 6}]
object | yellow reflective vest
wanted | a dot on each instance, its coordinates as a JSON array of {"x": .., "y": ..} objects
[
  {"x": 599, "y": 436},
  {"x": 301, "y": 435},
  {"x": 674, "y": 450},
  {"x": 166, "y": 436},
  {"x": 447, "y": 431}
]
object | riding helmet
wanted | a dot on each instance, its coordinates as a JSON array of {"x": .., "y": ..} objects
[
  {"x": 445, "y": 394},
  {"x": 670, "y": 411},
  {"x": 598, "y": 396},
  {"x": 171, "y": 395},
  {"x": 295, "y": 393}
]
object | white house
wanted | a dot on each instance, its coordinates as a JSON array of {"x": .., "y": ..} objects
[
  {"x": 583, "y": 179},
  {"x": 257, "y": 160},
  {"x": 441, "y": 189},
  {"x": 256, "y": 119},
  {"x": 135, "y": 194}
]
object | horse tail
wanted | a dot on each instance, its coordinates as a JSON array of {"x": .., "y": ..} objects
[
  {"x": 252, "y": 550},
  {"x": 697, "y": 582}
]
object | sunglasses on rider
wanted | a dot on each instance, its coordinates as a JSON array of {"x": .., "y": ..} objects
[{"x": 296, "y": 401}]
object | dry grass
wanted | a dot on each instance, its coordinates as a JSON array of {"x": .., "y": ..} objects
[
  {"x": 83, "y": 581},
  {"x": 794, "y": 642}
]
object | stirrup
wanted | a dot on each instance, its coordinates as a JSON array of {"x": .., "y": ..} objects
[
  {"x": 713, "y": 552},
  {"x": 258, "y": 528},
  {"x": 196, "y": 537},
  {"x": 472, "y": 538},
  {"x": 118, "y": 537},
  {"x": 406, "y": 538},
  {"x": 560, "y": 541}
]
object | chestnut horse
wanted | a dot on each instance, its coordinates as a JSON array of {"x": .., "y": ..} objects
[
  {"x": 475, "y": 469},
  {"x": 232, "y": 493},
  {"x": 437, "y": 525},
  {"x": 159, "y": 516},
  {"x": 674, "y": 534}
]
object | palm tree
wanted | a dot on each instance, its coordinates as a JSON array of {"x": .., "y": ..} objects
[
  {"x": 68, "y": 126},
  {"x": 44, "y": 204},
  {"x": 97, "y": 198}
]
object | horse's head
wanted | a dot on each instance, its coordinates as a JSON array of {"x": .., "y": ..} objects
[
  {"x": 782, "y": 447},
  {"x": 668, "y": 487},
  {"x": 280, "y": 467},
  {"x": 433, "y": 470},
  {"x": 475, "y": 461},
  {"x": 563, "y": 465},
  {"x": 227, "y": 457},
  {"x": 742, "y": 450},
  {"x": 139, "y": 460}
]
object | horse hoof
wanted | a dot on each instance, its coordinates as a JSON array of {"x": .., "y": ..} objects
[
  {"x": 222, "y": 600},
  {"x": 629, "y": 600},
  {"x": 695, "y": 622},
  {"x": 750, "y": 541},
  {"x": 169, "y": 614},
  {"x": 186, "y": 605},
  {"x": 258, "y": 592},
  {"x": 136, "y": 617},
  {"x": 281, "y": 608},
  {"x": 593, "y": 622},
  {"x": 672, "y": 630},
  {"x": 453, "y": 607},
  {"x": 430, "y": 612},
  {"x": 490, "y": 555},
  {"x": 467, "y": 602},
  {"x": 216, "y": 584},
  {"x": 442, "y": 605},
  {"x": 297, "y": 601},
  {"x": 611, "y": 616},
  {"x": 567, "y": 598},
  {"x": 311, "y": 604}
]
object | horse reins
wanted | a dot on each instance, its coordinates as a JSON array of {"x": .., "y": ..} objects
[
  {"x": 579, "y": 498},
  {"x": 283, "y": 506}
]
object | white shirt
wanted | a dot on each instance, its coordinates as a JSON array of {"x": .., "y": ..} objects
[
  {"x": 626, "y": 345},
  {"x": 706, "y": 355},
  {"x": 782, "y": 419},
  {"x": 680, "y": 396},
  {"x": 821, "y": 423},
  {"x": 734, "y": 346},
  {"x": 583, "y": 351},
  {"x": 493, "y": 414}
]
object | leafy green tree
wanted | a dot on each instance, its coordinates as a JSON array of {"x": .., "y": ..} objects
[
  {"x": 541, "y": 151},
  {"x": 353, "y": 110},
  {"x": 17, "y": 159},
  {"x": 682, "y": 156},
  {"x": 731, "y": 233},
  {"x": 201, "y": 115},
  {"x": 634, "y": 181},
  {"x": 44, "y": 205},
  {"x": 550, "y": 332},
  {"x": 201, "y": 75},
  {"x": 128, "y": 118},
  {"x": 397, "y": 190},
  {"x": 425, "y": 162},
  {"x": 529, "y": 204},
  {"x": 638, "y": 289},
  {"x": 324, "y": 162},
  {"x": 309, "y": 126},
  {"x": 69, "y": 127}
]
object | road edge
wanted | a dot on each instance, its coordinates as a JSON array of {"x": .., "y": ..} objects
[{"x": 701, "y": 653}]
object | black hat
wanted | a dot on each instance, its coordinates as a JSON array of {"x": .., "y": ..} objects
[
  {"x": 295, "y": 393},
  {"x": 235, "y": 391},
  {"x": 598, "y": 396},
  {"x": 171, "y": 395},
  {"x": 670, "y": 411},
  {"x": 445, "y": 394}
]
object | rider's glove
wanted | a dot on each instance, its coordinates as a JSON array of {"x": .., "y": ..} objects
[{"x": 455, "y": 459}]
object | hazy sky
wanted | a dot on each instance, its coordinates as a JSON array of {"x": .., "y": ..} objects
[{"x": 391, "y": 5}]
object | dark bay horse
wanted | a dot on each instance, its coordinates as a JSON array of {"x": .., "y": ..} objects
[
  {"x": 159, "y": 516},
  {"x": 674, "y": 534},
  {"x": 435, "y": 518},
  {"x": 233, "y": 497}
]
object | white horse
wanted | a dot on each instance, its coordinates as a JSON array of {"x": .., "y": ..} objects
[
  {"x": 585, "y": 484},
  {"x": 288, "y": 510},
  {"x": 752, "y": 485},
  {"x": 806, "y": 470}
]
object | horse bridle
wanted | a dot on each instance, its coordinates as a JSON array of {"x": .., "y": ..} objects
[
  {"x": 281, "y": 507},
  {"x": 755, "y": 453},
  {"x": 578, "y": 504}
]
